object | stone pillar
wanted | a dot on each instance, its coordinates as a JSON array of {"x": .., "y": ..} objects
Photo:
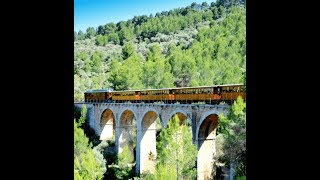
[
  {"x": 137, "y": 170},
  {"x": 147, "y": 145},
  {"x": 148, "y": 151},
  {"x": 97, "y": 119},
  {"x": 117, "y": 132},
  {"x": 205, "y": 159},
  {"x": 207, "y": 147},
  {"x": 90, "y": 112}
]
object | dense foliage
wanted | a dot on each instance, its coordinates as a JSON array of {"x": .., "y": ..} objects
[
  {"x": 231, "y": 141},
  {"x": 176, "y": 150},
  {"x": 88, "y": 163},
  {"x": 197, "y": 45},
  {"x": 125, "y": 163}
]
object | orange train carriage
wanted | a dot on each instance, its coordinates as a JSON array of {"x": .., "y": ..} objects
[{"x": 207, "y": 94}]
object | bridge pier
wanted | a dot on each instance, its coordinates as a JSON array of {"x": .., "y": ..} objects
[
  {"x": 147, "y": 145},
  {"x": 137, "y": 122},
  {"x": 207, "y": 147}
]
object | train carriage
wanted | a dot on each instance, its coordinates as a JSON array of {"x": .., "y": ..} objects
[
  {"x": 152, "y": 95},
  {"x": 95, "y": 96},
  {"x": 123, "y": 96},
  {"x": 207, "y": 94},
  {"x": 231, "y": 92}
]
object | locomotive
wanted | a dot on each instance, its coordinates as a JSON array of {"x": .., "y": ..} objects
[{"x": 184, "y": 95}]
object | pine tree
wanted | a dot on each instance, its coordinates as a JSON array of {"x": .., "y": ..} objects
[
  {"x": 176, "y": 149},
  {"x": 86, "y": 164},
  {"x": 233, "y": 131},
  {"x": 124, "y": 167}
]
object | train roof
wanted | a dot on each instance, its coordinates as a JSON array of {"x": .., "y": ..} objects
[
  {"x": 98, "y": 90},
  {"x": 195, "y": 87}
]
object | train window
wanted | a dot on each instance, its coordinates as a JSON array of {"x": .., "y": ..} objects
[{"x": 236, "y": 89}]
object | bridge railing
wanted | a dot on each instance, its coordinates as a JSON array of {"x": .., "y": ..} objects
[{"x": 152, "y": 104}]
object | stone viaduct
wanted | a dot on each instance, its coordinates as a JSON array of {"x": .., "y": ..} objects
[{"x": 122, "y": 119}]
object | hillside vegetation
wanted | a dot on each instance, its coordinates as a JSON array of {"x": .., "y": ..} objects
[{"x": 197, "y": 45}]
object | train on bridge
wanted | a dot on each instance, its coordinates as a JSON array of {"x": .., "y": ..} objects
[{"x": 184, "y": 95}]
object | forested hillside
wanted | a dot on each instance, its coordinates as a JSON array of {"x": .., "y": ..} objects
[{"x": 200, "y": 44}]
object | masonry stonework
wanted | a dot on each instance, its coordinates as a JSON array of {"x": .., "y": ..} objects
[{"x": 124, "y": 118}]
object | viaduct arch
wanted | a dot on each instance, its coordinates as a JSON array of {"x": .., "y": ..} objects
[{"x": 137, "y": 124}]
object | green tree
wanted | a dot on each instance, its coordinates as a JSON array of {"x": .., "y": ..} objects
[
  {"x": 215, "y": 12},
  {"x": 126, "y": 74},
  {"x": 101, "y": 40},
  {"x": 163, "y": 172},
  {"x": 90, "y": 32},
  {"x": 86, "y": 164},
  {"x": 114, "y": 38},
  {"x": 128, "y": 50},
  {"x": 222, "y": 11},
  {"x": 233, "y": 130},
  {"x": 229, "y": 3},
  {"x": 126, "y": 34},
  {"x": 124, "y": 164},
  {"x": 83, "y": 117},
  {"x": 183, "y": 67},
  {"x": 156, "y": 70},
  {"x": 96, "y": 62},
  {"x": 175, "y": 149},
  {"x": 100, "y": 30},
  {"x": 194, "y": 5},
  {"x": 205, "y": 5},
  {"x": 132, "y": 71},
  {"x": 81, "y": 35}
]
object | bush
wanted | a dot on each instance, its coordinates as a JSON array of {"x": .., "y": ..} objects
[{"x": 88, "y": 164}]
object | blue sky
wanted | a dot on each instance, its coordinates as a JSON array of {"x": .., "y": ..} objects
[{"x": 92, "y": 13}]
